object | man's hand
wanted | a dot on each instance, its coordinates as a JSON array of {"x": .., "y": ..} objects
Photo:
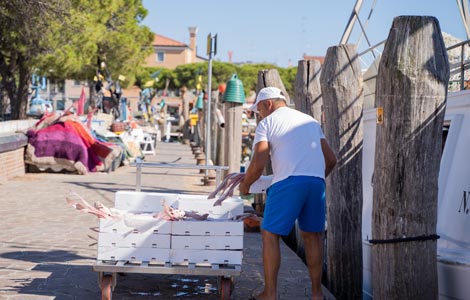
[
  {"x": 244, "y": 188},
  {"x": 255, "y": 169}
]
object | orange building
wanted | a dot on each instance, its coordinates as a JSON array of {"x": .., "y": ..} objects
[{"x": 169, "y": 53}]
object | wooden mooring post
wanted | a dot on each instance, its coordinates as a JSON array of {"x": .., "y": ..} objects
[
  {"x": 267, "y": 78},
  {"x": 410, "y": 99},
  {"x": 233, "y": 136},
  {"x": 308, "y": 97},
  {"x": 342, "y": 93}
]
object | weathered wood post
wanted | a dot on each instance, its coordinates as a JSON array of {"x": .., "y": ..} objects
[
  {"x": 215, "y": 128},
  {"x": 411, "y": 96},
  {"x": 308, "y": 100},
  {"x": 268, "y": 78},
  {"x": 341, "y": 86},
  {"x": 186, "y": 97},
  {"x": 199, "y": 129},
  {"x": 220, "y": 152},
  {"x": 234, "y": 97},
  {"x": 308, "y": 97}
]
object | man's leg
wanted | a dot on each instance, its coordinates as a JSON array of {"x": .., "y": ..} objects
[
  {"x": 271, "y": 262},
  {"x": 314, "y": 257}
]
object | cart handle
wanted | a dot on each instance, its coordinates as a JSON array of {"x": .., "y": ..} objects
[{"x": 139, "y": 163}]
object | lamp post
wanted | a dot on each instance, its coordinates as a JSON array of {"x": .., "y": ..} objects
[{"x": 211, "y": 51}]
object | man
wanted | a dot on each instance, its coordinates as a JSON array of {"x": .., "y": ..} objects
[{"x": 301, "y": 159}]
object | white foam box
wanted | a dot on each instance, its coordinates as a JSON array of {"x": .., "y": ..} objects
[
  {"x": 231, "y": 207},
  {"x": 207, "y": 228},
  {"x": 152, "y": 202},
  {"x": 145, "y": 238},
  {"x": 142, "y": 254},
  {"x": 134, "y": 240},
  {"x": 145, "y": 223},
  {"x": 136, "y": 237},
  {"x": 142, "y": 202},
  {"x": 207, "y": 242},
  {"x": 178, "y": 256}
]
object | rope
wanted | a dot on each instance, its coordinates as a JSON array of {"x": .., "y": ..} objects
[{"x": 406, "y": 239}]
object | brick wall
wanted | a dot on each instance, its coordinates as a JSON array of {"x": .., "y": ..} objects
[
  {"x": 12, "y": 164},
  {"x": 12, "y": 146}
]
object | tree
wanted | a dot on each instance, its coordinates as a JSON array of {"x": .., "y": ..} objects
[
  {"x": 65, "y": 39},
  {"x": 187, "y": 75},
  {"x": 24, "y": 25}
]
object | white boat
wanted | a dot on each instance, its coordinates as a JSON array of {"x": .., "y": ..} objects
[{"x": 453, "y": 222}]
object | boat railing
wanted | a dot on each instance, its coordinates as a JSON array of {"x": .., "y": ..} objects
[{"x": 459, "y": 64}]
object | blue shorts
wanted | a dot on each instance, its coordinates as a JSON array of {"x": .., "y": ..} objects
[{"x": 296, "y": 197}]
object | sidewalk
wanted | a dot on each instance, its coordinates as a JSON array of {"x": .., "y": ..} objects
[{"x": 46, "y": 247}]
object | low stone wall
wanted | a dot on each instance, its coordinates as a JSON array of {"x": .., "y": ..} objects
[
  {"x": 12, "y": 146},
  {"x": 12, "y": 164}
]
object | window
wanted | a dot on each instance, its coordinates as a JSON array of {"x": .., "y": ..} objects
[
  {"x": 445, "y": 132},
  {"x": 77, "y": 83},
  {"x": 160, "y": 56}
]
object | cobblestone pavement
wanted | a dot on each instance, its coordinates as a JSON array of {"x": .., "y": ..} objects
[{"x": 47, "y": 248}]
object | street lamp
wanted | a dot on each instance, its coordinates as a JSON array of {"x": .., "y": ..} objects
[{"x": 211, "y": 51}]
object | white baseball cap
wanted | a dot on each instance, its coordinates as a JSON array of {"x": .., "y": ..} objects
[{"x": 266, "y": 94}]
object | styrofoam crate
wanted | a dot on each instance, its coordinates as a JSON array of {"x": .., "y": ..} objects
[
  {"x": 152, "y": 202},
  {"x": 206, "y": 256},
  {"x": 142, "y": 254},
  {"x": 231, "y": 207},
  {"x": 234, "y": 242},
  {"x": 142, "y": 202},
  {"x": 138, "y": 223},
  {"x": 221, "y": 228},
  {"x": 134, "y": 240}
]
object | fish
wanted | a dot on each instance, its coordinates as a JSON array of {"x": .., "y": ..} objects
[{"x": 226, "y": 188}]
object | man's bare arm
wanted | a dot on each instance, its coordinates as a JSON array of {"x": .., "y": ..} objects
[
  {"x": 329, "y": 155},
  {"x": 256, "y": 167}
]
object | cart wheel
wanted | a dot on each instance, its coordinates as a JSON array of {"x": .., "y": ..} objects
[
  {"x": 226, "y": 287},
  {"x": 106, "y": 287}
]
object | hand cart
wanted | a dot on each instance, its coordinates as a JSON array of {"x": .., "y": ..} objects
[{"x": 146, "y": 245}]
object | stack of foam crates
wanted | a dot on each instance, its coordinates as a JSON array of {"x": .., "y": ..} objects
[{"x": 141, "y": 237}]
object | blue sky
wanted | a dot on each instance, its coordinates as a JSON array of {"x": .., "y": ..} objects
[{"x": 280, "y": 31}]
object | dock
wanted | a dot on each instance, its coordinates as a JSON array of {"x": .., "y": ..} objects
[{"x": 47, "y": 248}]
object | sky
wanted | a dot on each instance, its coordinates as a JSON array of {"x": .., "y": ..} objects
[{"x": 282, "y": 31}]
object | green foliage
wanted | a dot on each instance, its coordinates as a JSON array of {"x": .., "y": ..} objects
[
  {"x": 65, "y": 38},
  {"x": 26, "y": 30},
  {"x": 106, "y": 30},
  {"x": 187, "y": 75}
]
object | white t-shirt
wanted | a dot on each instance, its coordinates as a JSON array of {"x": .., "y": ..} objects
[{"x": 294, "y": 140}]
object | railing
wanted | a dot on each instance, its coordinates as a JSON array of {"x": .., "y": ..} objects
[
  {"x": 461, "y": 66},
  {"x": 139, "y": 163},
  {"x": 458, "y": 67}
]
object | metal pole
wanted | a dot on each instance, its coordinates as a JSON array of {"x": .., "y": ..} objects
[
  {"x": 351, "y": 22},
  {"x": 208, "y": 112},
  {"x": 138, "y": 182},
  {"x": 462, "y": 68}
]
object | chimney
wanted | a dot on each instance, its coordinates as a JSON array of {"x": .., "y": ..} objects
[{"x": 192, "y": 42}]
